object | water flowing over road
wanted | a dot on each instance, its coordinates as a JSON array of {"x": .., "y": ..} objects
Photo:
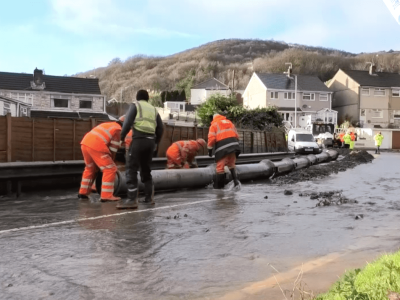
[{"x": 194, "y": 244}]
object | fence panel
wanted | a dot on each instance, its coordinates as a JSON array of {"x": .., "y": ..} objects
[
  {"x": 21, "y": 139},
  {"x": 59, "y": 139},
  {"x": 3, "y": 139}
]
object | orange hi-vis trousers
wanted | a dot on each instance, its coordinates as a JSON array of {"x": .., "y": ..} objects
[
  {"x": 94, "y": 160},
  {"x": 228, "y": 160}
]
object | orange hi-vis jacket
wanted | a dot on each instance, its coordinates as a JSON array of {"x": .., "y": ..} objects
[
  {"x": 341, "y": 136},
  {"x": 352, "y": 136},
  {"x": 183, "y": 151},
  {"x": 104, "y": 138},
  {"x": 128, "y": 139},
  {"x": 223, "y": 135}
]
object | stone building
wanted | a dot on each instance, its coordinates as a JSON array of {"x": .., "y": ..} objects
[{"x": 55, "y": 96}]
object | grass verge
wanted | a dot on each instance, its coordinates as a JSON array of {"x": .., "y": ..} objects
[{"x": 379, "y": 280}]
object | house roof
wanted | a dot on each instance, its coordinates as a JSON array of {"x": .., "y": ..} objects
[
  {"x": 211, "y": 84},
  {"x": 282, "y": 82},
  {"x": 14, "y": 100},
  {"x": 68, "y": 115},
  {"x": 61, "y": 84},
  {"x": 381, "y": 79}
]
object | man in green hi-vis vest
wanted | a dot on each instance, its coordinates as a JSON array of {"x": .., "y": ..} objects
[{"x": 148, "y": 128}]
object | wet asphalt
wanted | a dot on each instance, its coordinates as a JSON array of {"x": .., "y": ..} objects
[{"x": 193, "y": 244}]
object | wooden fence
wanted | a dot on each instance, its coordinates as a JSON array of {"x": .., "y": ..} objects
[{"x": 31, "y": 139}]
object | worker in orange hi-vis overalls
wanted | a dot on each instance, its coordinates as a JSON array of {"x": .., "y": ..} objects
[
  {"x": 341, "y": 137},
  {"x": 181, "y": 154},
  {"x": 99, "y": 147},
  {"x": 128, "y": 141},
  {"x": 223, "y": 135}
]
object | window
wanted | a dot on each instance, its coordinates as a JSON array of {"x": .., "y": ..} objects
[
  {"x": 6, "y": 108},
  {"x": 25, "y": 97},
  {"x": 23, "y": 111},
  {"x": 60, "y": 101},
  {"x": 308, "y": 96},
  {"x": 85, "y": 103},
  {"x": 365, "y": 91},
  {"x": 376, "y": 113},
  {"x": 304, "y": 138},
  {"x": 379, "y": 92},
  {"x": 289, "y": 96},
  {"x": 396, "y": 92},
  {"x": 274, "y": 95},
  {"x": 323, "y": 97}
]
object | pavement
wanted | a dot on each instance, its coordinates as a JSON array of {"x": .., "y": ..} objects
[{"x": 197, "y": 244}]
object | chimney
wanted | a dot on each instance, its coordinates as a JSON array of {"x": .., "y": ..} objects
[
  {"x": 38, "y": 76},
  {"x": 372, "y": 69},
  {"x": 38, "y": 82}
]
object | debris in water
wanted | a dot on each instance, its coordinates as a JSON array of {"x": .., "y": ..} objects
[
  {"x": 294, "y": 201},
  {"x": 287, "y": 192},
  {"x": 185, "y": 215},
  {"x": 331, "y": 198},
  {"x": 358, "y": 217},
  {"x": 207, "y": 230},
  {"x": 349, "y": 161},
  {"x": 266, "y": 197},
  {"x": 10, "y": 285}
]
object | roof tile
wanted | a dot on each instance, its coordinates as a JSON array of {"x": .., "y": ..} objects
[
  {"x": 282, "y": 82},
  {"x": 60, "y": 84}
]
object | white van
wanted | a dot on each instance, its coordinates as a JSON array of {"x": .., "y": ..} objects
[{"x": 302, "y": 141}]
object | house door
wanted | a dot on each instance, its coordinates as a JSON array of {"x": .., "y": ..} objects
[{"x": 396, "y": 140}]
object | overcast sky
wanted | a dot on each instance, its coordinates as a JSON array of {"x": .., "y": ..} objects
[{"x": 70, "y": 36}]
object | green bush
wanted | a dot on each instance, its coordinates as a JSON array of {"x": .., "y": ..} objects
[
  {"x": 217, "y": 103},
  {"x": 255, "y": 119},
  {"x": 373, "y": 282}
]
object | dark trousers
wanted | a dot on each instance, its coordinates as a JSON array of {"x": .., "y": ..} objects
[
  {"x": 347, "y": 146},
  {"x": 140, "y": 158},
  {"x": 377, "y": 150}
]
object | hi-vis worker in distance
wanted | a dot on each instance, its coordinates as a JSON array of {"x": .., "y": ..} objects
[
  {"x": 99, "y": 147},
  {"x": 378, "y": 142},
  {"x": 181, "y": 154},
  {"x": 223, "y": 135}
]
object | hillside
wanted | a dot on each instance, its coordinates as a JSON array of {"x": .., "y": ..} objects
[{"x": 218, "y": 59}]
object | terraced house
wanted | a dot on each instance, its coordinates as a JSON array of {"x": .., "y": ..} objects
[
  {"x": 54, "y": 96},
  {"x": 313, "y": 98},
  {"x": 368, "y": 97}
]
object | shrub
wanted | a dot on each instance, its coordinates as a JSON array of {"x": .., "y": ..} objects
[
  {"x": 256, "y": 119},
  {"x": 373, "y": 282}
]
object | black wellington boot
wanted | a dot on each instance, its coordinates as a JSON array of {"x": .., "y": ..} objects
[
  {"x": 219, "y": 182},
  {"x": 131, "y": 202},
  {"x": 148, "y": 192},
  {"x": 234, "y": 176}
]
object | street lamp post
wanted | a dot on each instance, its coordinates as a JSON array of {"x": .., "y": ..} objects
[{"x": 289, "y": 74}]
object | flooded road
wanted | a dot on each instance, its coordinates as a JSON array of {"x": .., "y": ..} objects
[{"x": 194, "y": 244}]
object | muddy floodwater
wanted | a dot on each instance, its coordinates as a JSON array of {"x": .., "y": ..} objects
[{"x": 194, "y": 244}]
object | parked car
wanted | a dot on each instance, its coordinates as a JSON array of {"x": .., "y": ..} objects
[{"x": 302, "y": 141}]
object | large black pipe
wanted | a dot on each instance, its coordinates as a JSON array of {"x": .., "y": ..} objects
[{"x": 201, "y": 177}]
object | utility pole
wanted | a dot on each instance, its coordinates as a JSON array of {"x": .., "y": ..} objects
[
  {"x": 233, "y": 82},
  {"x": 289, "y": 74}
]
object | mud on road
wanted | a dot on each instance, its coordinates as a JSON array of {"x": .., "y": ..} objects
[{"x": 347, "y": 160}]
